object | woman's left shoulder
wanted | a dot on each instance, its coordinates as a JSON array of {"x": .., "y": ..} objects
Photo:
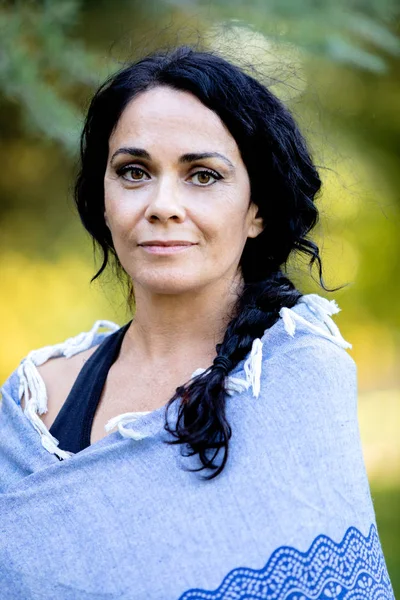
[
  {"x": 304, "y": 350},
  {"x": 305, "y": 356},
  {"x": 305, "y": 338}
]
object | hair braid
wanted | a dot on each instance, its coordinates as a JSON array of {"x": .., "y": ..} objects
[{"x": 201, "y": 422}]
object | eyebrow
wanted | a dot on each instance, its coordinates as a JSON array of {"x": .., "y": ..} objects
[{"x": 185, "y": 158}]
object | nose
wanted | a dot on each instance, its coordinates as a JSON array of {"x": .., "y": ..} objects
[{"x": 165, "y": 202}]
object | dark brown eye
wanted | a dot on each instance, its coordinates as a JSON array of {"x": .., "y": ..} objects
[
  {"x": 204, "y": 177},
  {"x": 136, "y": 173}
]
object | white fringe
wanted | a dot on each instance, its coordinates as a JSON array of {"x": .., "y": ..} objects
[
  {"x": 32, "y": 386},
  {"x": 232, "y": 384},
  {"x": 322, "y": 308},
  {"x": 121, "y": 420},
  {"x": 253, "y": 366}
]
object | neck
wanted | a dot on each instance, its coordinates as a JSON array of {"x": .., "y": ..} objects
[{"x": 182, "y": 327}]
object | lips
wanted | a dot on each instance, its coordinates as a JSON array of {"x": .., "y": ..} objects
[
  {"x": 164, "y": 248},
  {"x": 167, "y": 243}
]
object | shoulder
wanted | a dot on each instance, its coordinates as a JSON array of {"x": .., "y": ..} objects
[
  {"x": 53, "y": 369},
  {"x": 58, "y": 376},
  {"x": 303, "y": 349},
  {"x": 308, "y": 324},
  {"x": 306, "y": 355}
]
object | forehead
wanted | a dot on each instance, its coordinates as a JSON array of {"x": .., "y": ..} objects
[{"x": 164, "y": 116}]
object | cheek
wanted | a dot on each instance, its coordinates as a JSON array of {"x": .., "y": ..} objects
[
  {"x": 232, "y": 221},
  {"x": 121, "y": 213},
  {"x": 226, "y": 240}
]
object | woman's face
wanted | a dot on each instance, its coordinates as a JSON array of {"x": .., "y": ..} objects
[{"x": 175, "y": 174}]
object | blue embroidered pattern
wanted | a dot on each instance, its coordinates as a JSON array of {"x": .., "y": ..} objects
[{"x": 353, "y": 569}]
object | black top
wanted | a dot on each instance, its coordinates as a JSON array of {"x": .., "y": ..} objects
[{"x": 73, "y": 423}]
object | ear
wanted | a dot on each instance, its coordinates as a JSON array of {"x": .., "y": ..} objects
[{"x": 256, "y": 224}]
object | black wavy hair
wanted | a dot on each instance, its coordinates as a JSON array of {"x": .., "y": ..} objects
[{"x": 273, "y": 150}]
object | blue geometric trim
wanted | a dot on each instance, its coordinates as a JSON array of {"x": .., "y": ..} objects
[{"x": 353, "y": 569}]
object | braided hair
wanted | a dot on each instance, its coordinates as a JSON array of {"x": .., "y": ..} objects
[{"x": 273, "y": 150}]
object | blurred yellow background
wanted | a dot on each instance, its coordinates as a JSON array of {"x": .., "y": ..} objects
[{"x": 338, "y": 72}]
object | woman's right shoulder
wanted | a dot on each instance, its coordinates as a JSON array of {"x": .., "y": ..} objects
[
  {"x": 58, "y": 376},
  {"x": 46, "y": 375}
]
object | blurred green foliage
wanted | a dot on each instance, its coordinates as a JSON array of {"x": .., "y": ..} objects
[
  {"x": 352, "y": 33},
  {"x": 335, "y": 63},
  {"x": 40, "y": 64},
  {"x": 42, "y": 58}
]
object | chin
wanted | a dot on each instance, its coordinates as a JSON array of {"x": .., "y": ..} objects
[{"x": 168, "y": 283}]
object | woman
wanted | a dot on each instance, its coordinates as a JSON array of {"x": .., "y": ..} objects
[{"x": 210, "y": 447}]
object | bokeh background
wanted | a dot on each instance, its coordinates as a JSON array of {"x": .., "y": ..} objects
[{"x": 335, "y": 63}]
